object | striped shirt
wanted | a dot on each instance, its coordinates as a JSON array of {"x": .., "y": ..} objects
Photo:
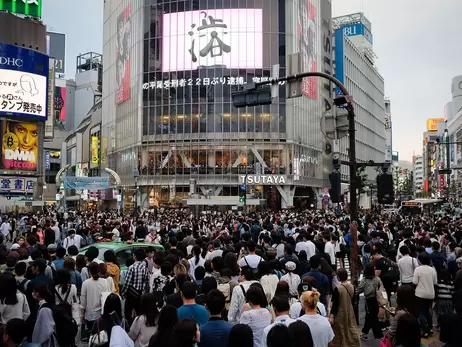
[{"x": 444, "y": 291}]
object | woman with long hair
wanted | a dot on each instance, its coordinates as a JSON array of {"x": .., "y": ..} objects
[
  {"x": 186, "y": 333},
  {"x": 65, "y": 292},
  {"x": 112, "y": 307},
  {"x": 13, "y": 303},
  {"x": 300, "y": 335},
  {"x": 168, "y": 318},
  {"x": 144, "y": 326},
  {"x": 230, "y": 262},
  {"x": 76, "y": 279},
  {"x": 342, "y": 315},
  {"x": 320, "y": 327},
  {"x": 240, "y": 335},
  {"x": 90, "y": 298},
  {"x": 195, "y": 261},
  {"x": 408, "y": 331},
  {"x": 258, "y": 316},
  {"x": 283, "y": 288}
]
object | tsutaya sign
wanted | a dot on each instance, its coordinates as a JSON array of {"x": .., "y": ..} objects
[{"x": 262, "y": 179}]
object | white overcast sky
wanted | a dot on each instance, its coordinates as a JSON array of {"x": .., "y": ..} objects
[{"x": 417, "y": 43}]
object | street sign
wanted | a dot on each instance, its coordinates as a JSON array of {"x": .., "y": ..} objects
[
  {"x": 243, "y": 187},
  {"x": 326, "y": 202}
]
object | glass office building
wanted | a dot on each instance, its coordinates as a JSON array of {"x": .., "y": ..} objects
[{"x": 170, "y": 68}]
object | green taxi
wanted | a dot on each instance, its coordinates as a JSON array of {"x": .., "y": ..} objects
[{"x": 123, "y": 250}]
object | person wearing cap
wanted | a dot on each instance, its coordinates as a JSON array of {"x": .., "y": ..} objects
[
  {"x": 15, "y": 247},
  {"x": 292, "y": 278}
]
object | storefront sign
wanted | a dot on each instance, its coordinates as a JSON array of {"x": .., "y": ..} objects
[
  {"x": 94, "y": 150},
  {"x": 206, "y": 81},
  {"x": 262, "y": 179},
  {"x": 17, "y": 184},
  {"x": 91, "y": 183}
]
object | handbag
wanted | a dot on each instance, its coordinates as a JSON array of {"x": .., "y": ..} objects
[
  {"x": 98, "y": 339},
  {"x": 386, "y": 341}
]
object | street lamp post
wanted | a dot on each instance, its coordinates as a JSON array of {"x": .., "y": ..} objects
[{"x": 136, "y": 176}]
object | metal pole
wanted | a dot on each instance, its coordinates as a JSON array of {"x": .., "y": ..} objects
[{"x": 448, "y": 163}]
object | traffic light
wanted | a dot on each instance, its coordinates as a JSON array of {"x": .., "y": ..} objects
[
  {"x": 8, "y": 196},
  {"x": 242, "y": 193},
  {"x": 336, "y": 187},
  {"x": 255, "y": 97},
  {"x": 385, "y": 194}
]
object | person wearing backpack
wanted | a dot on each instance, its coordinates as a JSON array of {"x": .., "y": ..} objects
[
  {"x": 65, "y": 292},
  {"x": 238, "y": 297},
  {"x": 387, "y": 270},
  {"x": 251, "y": 260},
  {"x": 45, "y": 325}
]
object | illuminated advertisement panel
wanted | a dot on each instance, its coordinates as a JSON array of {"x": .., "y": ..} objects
[
  {"x": 60, "y": 107},
  {"x": 23, "y": 82},
  {"x": 122, "y": 54},
  {"x": 226, "y": 38},
  {"x": 20, "y": 145}
]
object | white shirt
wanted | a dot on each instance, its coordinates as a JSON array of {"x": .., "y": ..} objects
[
  {"x": 57, "y": 233},
  {"x": 406, "y": 266},
  {"x": 72, "y": 241},
  {"x": 115, "y": 232},
  {"x": 425, "y": 279},
  {"x": 284, "y": 320},
  {"x": 71, "y": 299},
  {"x": 5, "y": 228},
  {"x": 321, "y": 330},
  {"x": 215, "y": 253},
  {"x": 293, "y": 280},
  {"x": 329, "y": 248},
  {"x": 252, "y": 260},
  {"x": 257, "y": 320},
  {"x": 193, "y": 266},
  {"x": 90, "y": 298},
  {"x": 238, "y": 302},
  {"x": 19, "y": 310},
  {"x": 296, "y": 308}
]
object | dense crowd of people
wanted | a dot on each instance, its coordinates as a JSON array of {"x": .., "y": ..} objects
[{"x": 261, "y": 279}]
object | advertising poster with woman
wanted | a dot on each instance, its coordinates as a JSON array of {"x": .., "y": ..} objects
[
  {"x": 123, "y": 56},
  {"x": 20, "y": 145},
  {"x": 307, "y": 37}
]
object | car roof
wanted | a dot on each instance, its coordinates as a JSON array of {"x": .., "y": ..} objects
[{"x": 117, "y": 245}]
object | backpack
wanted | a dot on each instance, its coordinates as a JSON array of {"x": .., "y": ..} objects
[
  {"x": 254, "y": 271},
  {"x": 62, "y": 304},
  {"x": 23, "y": 285},
  {"x": 391, "y": 277},
  {"x": 53, "y": 269},
  {"x": 65, "y": 326}
]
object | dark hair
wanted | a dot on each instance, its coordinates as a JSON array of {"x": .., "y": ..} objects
[
  {"x": 282, "y": 288},
  {"x": 342, "y": 274},
  {"x": 72, "y": 250},
  {"x": 168, "y": 317},
  {"x": 140, "y": 254},
  {"x": 69, "y": 263},
  {"x": 43, "y": 292},
  {"x": 199, "y": 273},
  {"x": 196, "y": 250},
  {"x": 246, "y": 271},
  {"x": 208, "y": 284},
  {"x": 278, "y": 336},
  {"x": 217, "y": 263},
  {"x": 110, "y": 257},
  {"x": 208, "y": 266},
  {"x": 450, "y": 332},
  {"x": 265, "y": 268},
  {"x": 60, "y": 252},
  {"x": 215, "y": 301},
  {"x": 93, "y": 269},
  {"x": 80, "y": 262},
  {"x": 230, "y": 262},
  {"x": 173, "y": 241},
  {"x": 148, "y": 308},
  {"x": 315, "y": 261},
  {"x": 63, "y": 279},
  {"x": 251, "y": 246},
  {"x": 404, "y": 250},
  {"x": 166, "y": 268},
  {"x": 300, "y": 335},
  {"x": 184, "y": 333},
  {"x": 8, "y": 289},
  {"x": 406, "y": 300},
  {"x": 189, "y": 290},
  {"x": 112, "y": 304},
  {"x": 16, "y": 330},
  {"x": 241, "y": 335},
  {"x": 369, "y": 271},
  {"x": 92, "y": 253},
  {"x": 424, "y": 258},
  {"x": 281, "y": 303},
  {"x": 408, "y": 331},
  {"x": 256, "y": 295},
  {"x": 20, "y": 268}
]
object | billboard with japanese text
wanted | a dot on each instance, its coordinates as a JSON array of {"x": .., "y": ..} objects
[
  {"x": 24, "y": 185},
  {"x": 20, "y": 146},
  {"x": 123, "y": 40},
  {"x": 23, "y": 82},
  {"x": 226, "y": 38}
]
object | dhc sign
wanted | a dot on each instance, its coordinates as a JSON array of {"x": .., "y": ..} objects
[{"x": 265, "y": 180}]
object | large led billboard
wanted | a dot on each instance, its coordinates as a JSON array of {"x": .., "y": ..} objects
[
  {"x": 23, "y": 82},
  {"x": 20, "y": 145},
  {"x": 123, "y": 56},
  {"x": 31, "y": 8},
  {"x": 60, "y": 107},
  {"x": 225, "y": 38}
]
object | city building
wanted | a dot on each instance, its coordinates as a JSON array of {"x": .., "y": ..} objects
[
  {"x": 25, "y": 105},
  {"x": 355, "y": 68},
  {"x": 418, "y": 173},
  {"x": 168, "y": 73},
  {"x": 432, "y": 156}
]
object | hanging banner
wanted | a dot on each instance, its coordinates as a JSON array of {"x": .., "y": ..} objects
[
  {"x": 90, "y": 183},
  {"x": 103, "y": 150},
  {"x": 94, "y": 150}
]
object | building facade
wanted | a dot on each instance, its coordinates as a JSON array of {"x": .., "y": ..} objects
[
  {"x": 170, "y": 68},
  {"x": 418, "y": 173},
  {"x": 355, "y": 68}
]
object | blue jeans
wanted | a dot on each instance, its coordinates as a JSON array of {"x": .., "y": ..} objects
[{"x": 425, "y": 316}]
